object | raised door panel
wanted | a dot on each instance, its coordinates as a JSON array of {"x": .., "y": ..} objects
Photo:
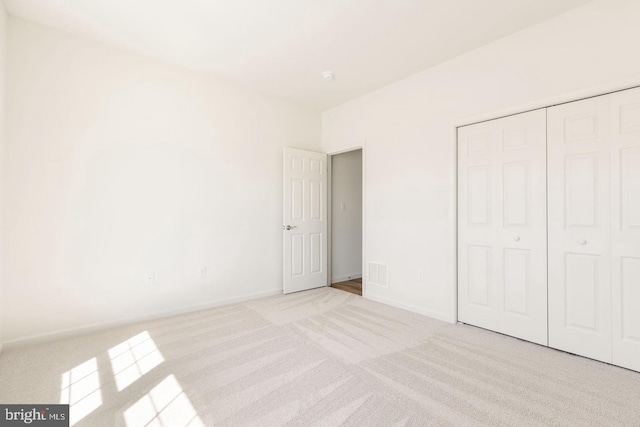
[
  {"x": 517, "y": 281},
  {"x": 316, "y": 253},
  {"x": 581, "y": 190},
  {"x": 629, "y": 188},
  {"x": 297, "y": 255},
  {"x": 479, "y": 196},
  {"x": 579, "y": 228},
  {"x": 580, "y": 289},
  {"x": 625, "y": 221},
  {"x": 315, "y": 200},
  {"x": 630, "y": 300},
  {"x": 480, "y": 275},
  {"x": 516, "y": 188}
]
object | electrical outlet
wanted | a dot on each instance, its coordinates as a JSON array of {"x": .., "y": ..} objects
[
  {"x": 148, "y": 278},
  {"x": 343, "y": 207},
  {"x": 203, "y": 272},
  {"x": 420, "y": 275}
]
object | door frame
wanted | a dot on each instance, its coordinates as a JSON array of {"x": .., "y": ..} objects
[{"x": 329, "y": 208}]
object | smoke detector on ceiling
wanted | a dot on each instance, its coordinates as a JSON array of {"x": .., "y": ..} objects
[{"x": 328, "y": 76}]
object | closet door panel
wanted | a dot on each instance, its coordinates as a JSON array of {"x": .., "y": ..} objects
[
  {"x": 625, "y": 227},
  {"x": 521, "y": 229},
  {"x": 477, "y": 290},
  {"x": 579, "y": 228},
  {"x": 502, "y": 226}
]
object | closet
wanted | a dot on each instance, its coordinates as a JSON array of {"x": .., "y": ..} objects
[{"x": 558, "y": 188}]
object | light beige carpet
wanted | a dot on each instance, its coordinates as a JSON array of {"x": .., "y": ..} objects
[{"x": 322, "y": 357}]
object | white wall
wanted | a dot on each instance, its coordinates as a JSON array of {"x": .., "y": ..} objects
[
  {"x": 3, "y": 61},
  {"x": 346, "y": 226},
  {"x": 408, "y": 129},
  {"x": 118, "y": 165}
]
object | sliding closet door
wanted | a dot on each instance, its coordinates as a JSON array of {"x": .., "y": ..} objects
[
  {"x": 502, "y": 280},
  {"x": 625, "y": 227},
  {"x": 579, "y": 228}
]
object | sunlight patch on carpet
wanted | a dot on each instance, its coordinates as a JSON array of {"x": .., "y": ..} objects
[
  {"x": 133, "y": 358},
  {"x": 81, "y": 390},
  {"x": 165, "y": 405}
]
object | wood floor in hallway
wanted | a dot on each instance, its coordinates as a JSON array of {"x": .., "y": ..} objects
[{"x": 354, "y": 286}]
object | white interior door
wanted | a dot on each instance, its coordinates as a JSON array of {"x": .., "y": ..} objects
[
  {"x": 502, "y": 277},
  {"x": 579, "y": 228},
  {"x": 305, "y": 220},
  {"x": 625, "y": 227}
]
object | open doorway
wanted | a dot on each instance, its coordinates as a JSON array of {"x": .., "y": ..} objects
[{"x": 346, "y": 221}]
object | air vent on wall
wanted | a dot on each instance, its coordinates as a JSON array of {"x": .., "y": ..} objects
[{"x": 378, "y": 274}]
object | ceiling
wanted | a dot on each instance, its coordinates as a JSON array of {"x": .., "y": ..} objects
[{"x": 281, "y": 47}]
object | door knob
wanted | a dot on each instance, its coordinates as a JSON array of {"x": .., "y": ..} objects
[
  {"x": 288, "y": 227},
  {"x": 582, "y": 242},
  {"x": 516, "y": 238}
]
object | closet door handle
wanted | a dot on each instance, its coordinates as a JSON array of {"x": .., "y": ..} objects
[
  {"x": 582, "y": 242},
  {"x": 516, "y": 238}
]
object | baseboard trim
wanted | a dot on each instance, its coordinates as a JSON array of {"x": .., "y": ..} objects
[
  {"x": 410, "y": 307},
  {"x": 101, "y": 326},
  {"x": 345, "y": 278}
]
